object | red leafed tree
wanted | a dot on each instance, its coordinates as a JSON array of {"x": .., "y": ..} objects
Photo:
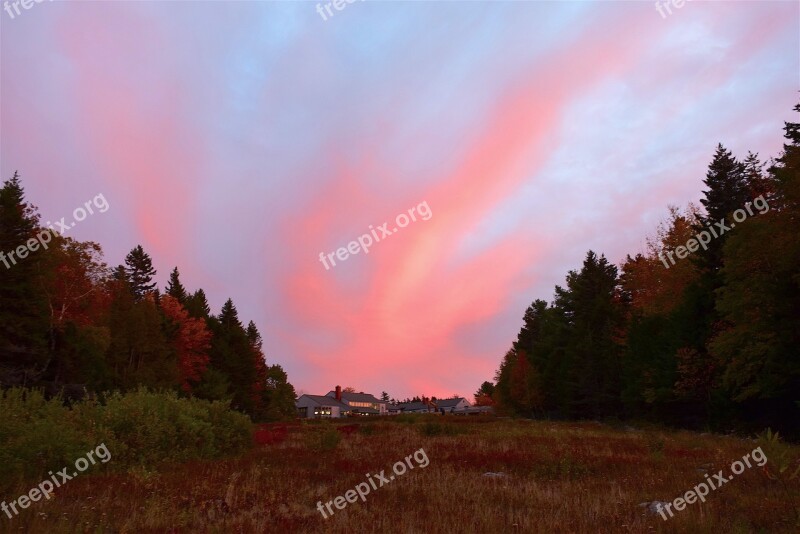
[
  {"x": 71, "y": 282},
  {"x": 191, "y": 340}
]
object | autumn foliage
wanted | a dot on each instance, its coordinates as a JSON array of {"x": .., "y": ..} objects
[
  {"x": 191, "y": 340},
  {"x": 709, "y": 341}
]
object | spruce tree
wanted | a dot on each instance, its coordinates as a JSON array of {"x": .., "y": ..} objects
[
  {"x": 23, "y": 317},
  {"x": 727, "y": 191},
  {"x": 175, "y": 289},
  {"x": 140, "y": 272},
  {"x": 590, "y": 304},
  {"x": 197, "y": 305},
  {"x": 232, "y": 354},
  {"x": 727, "y": 187}
]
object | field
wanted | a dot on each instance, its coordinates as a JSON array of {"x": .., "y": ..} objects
[{"x": 544, "y": 477}]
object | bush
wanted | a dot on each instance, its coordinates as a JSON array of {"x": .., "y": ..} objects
[
  {"x": 35, "y": 435},
  {"x": 155, "y": 427},
  {"x": 323, "y": 439},
  {"x": 139, "y": 428}
]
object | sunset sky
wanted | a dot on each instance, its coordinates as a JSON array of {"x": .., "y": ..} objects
[{"x": 238, "y": 140}]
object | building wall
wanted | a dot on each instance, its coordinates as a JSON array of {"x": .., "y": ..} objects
[{"x": 310, "y": 405}]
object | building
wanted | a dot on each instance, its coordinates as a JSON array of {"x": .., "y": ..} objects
[
  {"x": 321, "y": 406},
  {"x": 360, "y": 403},
  {"x": 416, "y": 407},
  {"x": 340, "y": 403},
  {"x": 458, "y": 404}
]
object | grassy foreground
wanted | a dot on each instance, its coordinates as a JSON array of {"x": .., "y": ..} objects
[{"x": 556, "y": 477}]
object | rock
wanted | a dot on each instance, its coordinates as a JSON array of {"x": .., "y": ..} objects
[
  {"x": 653, "y": 507},
  {"x": 494, "y": 475}
]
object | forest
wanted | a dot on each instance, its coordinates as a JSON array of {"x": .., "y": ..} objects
[
  {"x": 696, "y": 331},
  {"x": 72, "y": 326}
]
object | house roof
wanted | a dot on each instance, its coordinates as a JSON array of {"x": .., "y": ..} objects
[
  {"x": 323, "y": 400},
  {"x": 357, "y": 397},
  {"x": 449, "y": 403},
  {"x": 414, "y": 406}
]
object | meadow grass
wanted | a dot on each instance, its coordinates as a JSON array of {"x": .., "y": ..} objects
[{"x": 556, "y": 477}]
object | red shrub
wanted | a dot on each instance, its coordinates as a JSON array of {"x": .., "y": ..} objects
[
  {"x": 348, "y": 429},
  {"x": 271, "y": 434}
]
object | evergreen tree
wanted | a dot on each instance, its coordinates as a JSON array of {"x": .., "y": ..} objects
[
  {"x": 232, "y": 354},
  {"x": 760, "y": 298},
  {"x": 503, "y": 380},
  {"x": 727, "y": 191},
  {"x": 23, "y": 324},
  {"x": 197, "y": 305},
  {"x": 758, "y": 182},
  {"x": 175, "y": 289},
  {"x": 229, "y": 316},
  {"x": 254, "y": 336},
  {"x": 139, "y": 351},
  {"x": 592, "y": 310},
  {"x": 140, "y": 272},
  {"x": 727, "y": 187}
]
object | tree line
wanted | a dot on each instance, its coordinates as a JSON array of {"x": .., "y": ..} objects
[
  {"x": 704, "y": 334},
  {"x": 70, "y": 324}
]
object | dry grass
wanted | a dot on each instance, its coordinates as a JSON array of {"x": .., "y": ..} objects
[{"x": 560, "y": 477}]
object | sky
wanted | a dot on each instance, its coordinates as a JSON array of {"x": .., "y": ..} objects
[{"x": 239, "y": 141}]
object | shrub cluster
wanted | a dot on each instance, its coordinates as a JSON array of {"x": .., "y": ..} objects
[{"x": 140, "y": 428}]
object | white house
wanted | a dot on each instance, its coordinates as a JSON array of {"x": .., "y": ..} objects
[
  {"x": 320, "y": 406},
  {"x": 360, "y": 403},
  {"x": 452, "y": 405},
  {"x": 340, "y": 404},
  {"x": 443, "y": 406},
  {"x": 416, "y": 407}
]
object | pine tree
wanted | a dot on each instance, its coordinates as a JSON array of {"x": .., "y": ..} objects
[
  {"x": 254, "y": 336},
  {"x": 139, "y": 352},
  {"x": 140, "y": 272},
  {"x": 727, "y": 191},
  {"x": 197, "y": 305},
  {"x": 23, "y": 324},
  {"x": 229, "y": 317},
  {"x": 758, "y": 182},
  {"x": 232, "y": 354},
  {"x": 174, "y": 288},
  {"x": 760, "y": 297},
  {"x": 727, "y": 187},
  {"x": 594, "y": 319}
]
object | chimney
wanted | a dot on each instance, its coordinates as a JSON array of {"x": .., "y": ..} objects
[{"x": 339, "y": 393}]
